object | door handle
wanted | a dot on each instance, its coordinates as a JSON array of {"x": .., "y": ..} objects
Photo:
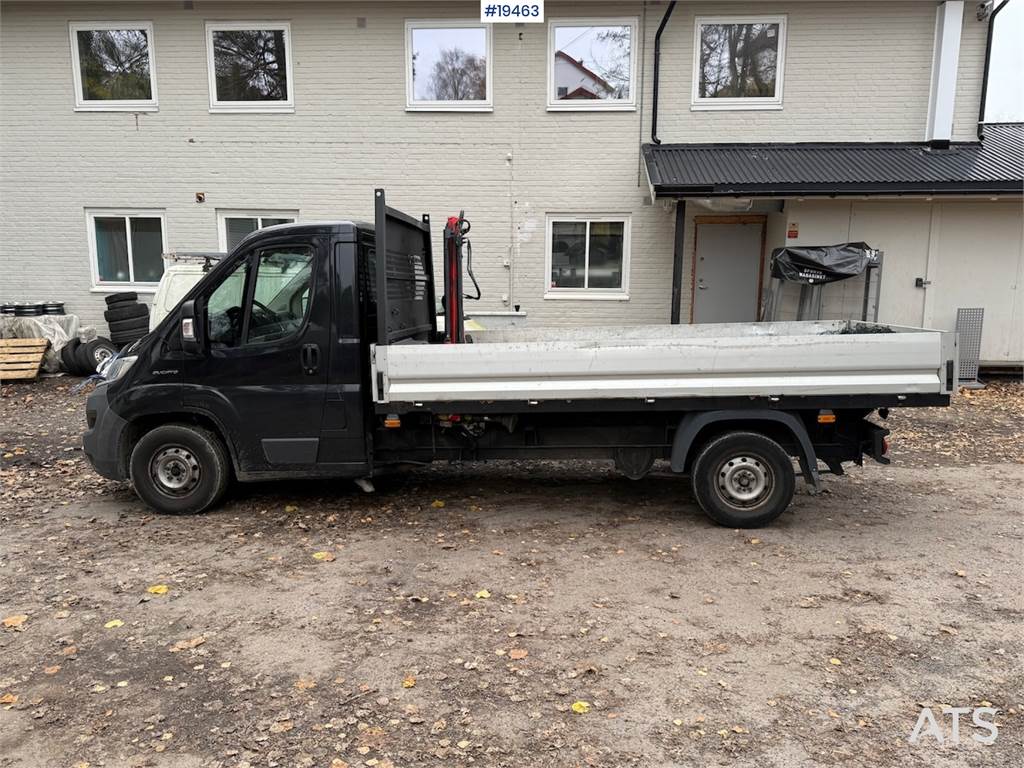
[{"x": 310, "y": 359}]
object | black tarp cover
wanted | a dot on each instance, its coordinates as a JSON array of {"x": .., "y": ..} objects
[{"x": 817, "y": 264}]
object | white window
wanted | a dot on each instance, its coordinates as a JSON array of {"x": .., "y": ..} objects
[
  {"x": 112, "y": 66},
  {"x": 250, "y": 66},
  {"x": 587, "y": 257},
  {"x": 235, "y": 225},
  {"x": 448, "y": 66},
  {"x": 126, "y": 248},
  {"x": 738, "y": 62},
  {"x": 592, "y": 64}
]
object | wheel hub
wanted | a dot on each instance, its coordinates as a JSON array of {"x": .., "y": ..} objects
[
  {"x": 744, "y": 481},
  {"x": 175, "y": 471}
]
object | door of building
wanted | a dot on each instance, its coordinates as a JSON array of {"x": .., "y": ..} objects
[{"x": 727, "y": 268}]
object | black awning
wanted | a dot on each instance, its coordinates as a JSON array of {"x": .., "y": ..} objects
[{"x": 992, "y": 166}]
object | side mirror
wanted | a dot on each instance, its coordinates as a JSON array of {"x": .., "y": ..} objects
[{"x": 189, "y": 328}]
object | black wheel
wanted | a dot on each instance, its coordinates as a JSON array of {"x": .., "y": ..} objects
[
  {"x": 117, "y": 298},
  {"x": 180, "y": 469},
  {"x": 90, "y": 354},
  {"x": 67, "y": 355},
  {"x": 125, "y": 312},
  {"x": 743, "y": 479},
  {"x": 132, "y": 324}
]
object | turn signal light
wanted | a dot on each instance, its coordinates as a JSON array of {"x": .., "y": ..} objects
[
  {"x": 826, "y": 418},
  {"x": 391, "y": 421}
]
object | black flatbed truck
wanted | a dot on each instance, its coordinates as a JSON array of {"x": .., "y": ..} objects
[{"x": 287, "y": 360}]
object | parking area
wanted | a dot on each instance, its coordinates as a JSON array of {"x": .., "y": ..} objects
[{"x": 512, "y": 614}]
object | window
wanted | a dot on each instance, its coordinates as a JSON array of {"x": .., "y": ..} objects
[
  {"x": 448, "y": 65},
  {"x": 235, "y": 225},
  {"x": 591, "y": 64},
  {"x": 738, "y": 62},
  {"x": 587, "y": 257},
  {"x": 224, "y": 308},
  {"x": 112, "y": 66},
  {"x": 250, "y": 66},
  {"x": 280, "y": 302},
  {"x": 126, "y": 247}
]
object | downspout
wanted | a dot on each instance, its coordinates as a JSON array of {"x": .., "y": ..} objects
[
  {"x": 984, "y": 77},
  {"x": 657, "y": 71},
  {"x": 677, "y": 260}
]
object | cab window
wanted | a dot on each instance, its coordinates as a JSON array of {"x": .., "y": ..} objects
[
  {"x": 280, "y": 297},
  {"x": 224, "y": 309}
]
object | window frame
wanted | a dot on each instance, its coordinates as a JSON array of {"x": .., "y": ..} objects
[
  {"x": 586, "y": 293},
  {"x": 253, "y": 256},
  {"x": 103, "y": 286},
  {"x": 111, "y": 105},
  {"x": 599, "y": 105},
  {"x": 249, "y": 107},
  {"x": 223, "y": 214},
  {"x": 414, "y": 105},
  {"x": 697, "y": 103}
]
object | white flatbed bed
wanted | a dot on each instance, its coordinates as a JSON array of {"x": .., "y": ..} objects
[{"x": 827, "y": 358}]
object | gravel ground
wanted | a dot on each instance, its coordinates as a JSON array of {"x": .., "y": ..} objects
[{"x": 512, "y": 614}]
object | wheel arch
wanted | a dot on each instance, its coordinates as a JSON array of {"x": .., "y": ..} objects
[
  {"x": 140, "y": 425},
  {"x": 698, "y": 427}
]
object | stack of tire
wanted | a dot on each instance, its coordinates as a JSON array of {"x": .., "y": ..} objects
[
  {"x": 127, "y": 317},
  {"x": 82, "y": 358}
]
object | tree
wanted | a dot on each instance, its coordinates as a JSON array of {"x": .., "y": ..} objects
[{"x": 458, "y": 76}]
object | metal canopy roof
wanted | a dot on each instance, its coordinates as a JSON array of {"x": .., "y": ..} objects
[{"x": 993, "y": 166}]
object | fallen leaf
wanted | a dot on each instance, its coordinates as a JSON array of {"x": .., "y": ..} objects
[
  {"x": 113, "y": 624},
  {"x": 463, "y": 744},
  {"x": 186, "y": 645},
  {"x": 961, "y": 574},
  {"x": 305, "y": 684},
  {"x": 15, "y": 621},
  {"x": 518, "y": 653},
  {"x": 483, "y": 594},
  {"x": 437, "y": 504},
  {"x": 408, "y": 681},
  {"x": 835, "y": 662},
  {"x": 8, "y": 698},
  {"x": 323, "y": 557},
  {"x": 739, "y": 729},
  {"x": 948, "y": 630},
  {"x": 339, "y": 763},
  {"x": 71, "y": 650},
  {"x": 51, "y": 670},
  {"x": 755, "y": 541},
  {"x": 581, "y": 707},
  {"x": 282, "y": 726},
  {"x": 122, "y": 684},
  {"x": 291, "y": 508},
  {"x": 157, "y": 589}
]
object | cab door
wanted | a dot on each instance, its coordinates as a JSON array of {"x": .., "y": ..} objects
[{"x": 262, "y": 369}]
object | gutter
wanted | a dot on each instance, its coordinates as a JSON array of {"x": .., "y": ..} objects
[
  {"x": 657, "y": 71},
  {"x": 984, "y": 77}
]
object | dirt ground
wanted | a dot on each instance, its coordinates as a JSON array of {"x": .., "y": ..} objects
[{"x": 512, "y": 615}]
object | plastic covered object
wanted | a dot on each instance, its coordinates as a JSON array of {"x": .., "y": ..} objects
[{"x": 817, "y": 264}]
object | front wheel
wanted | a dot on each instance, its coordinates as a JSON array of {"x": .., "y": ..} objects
[
  {"x": 179, "y": 469},
  {"x": 743, "y": 479}
]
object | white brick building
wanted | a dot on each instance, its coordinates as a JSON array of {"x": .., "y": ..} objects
[{"x": 99, "y": 172}]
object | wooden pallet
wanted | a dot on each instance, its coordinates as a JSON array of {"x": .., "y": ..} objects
[{"x": 21, "y": 358}]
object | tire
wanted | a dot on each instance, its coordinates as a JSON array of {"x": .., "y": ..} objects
[
  {"x": 130, "y": 325},
  {"x": 125, "y": 311},
  {"x": 123, "y": 340},
  {"x": 67, "y": 355},
  {"x": 118, "y": 298},
  {"x": 180, "y": 469},
  {"x": 743, "y": 479},
  {"x": 90, "y": 354}
]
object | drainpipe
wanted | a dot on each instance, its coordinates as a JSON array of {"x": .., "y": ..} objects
[
  {"x": 984, "y": 77},
  {"x": 677, "y": 260},
  {"x": 657, "y": 71}
]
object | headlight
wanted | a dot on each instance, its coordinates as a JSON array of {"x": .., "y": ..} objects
[{"x": 118, "y": 367}]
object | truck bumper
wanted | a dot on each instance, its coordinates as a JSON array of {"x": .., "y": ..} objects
[{"x": 102, "y": 439}]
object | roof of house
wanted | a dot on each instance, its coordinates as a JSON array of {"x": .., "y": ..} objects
[
  {"x": 578, "y": 63},
  {"x": 993, "y": 166}
]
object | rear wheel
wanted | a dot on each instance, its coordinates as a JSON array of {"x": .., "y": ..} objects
[
  {"x": 180, "y": 469},
  {"x": 743, "y": 479}
]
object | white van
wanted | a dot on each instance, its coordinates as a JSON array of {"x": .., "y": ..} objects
[{"x": 181, "y": 272}]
